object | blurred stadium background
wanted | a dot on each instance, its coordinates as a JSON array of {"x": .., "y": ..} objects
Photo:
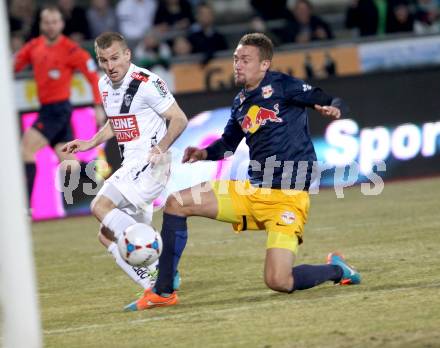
[
  {"x": 385, "y": 63},
  {"x": 386, "y": 69}
]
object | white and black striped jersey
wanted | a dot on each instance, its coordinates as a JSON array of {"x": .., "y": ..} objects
[{"x": 134, "y": 109}]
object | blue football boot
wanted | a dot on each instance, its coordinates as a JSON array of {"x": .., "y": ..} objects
[{"x": 349, "y": 274}]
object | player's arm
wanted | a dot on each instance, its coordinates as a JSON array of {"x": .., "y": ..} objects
[
  {"x": 104, "y": 134},
  {"x": 23, "y": 57},
  {"x": 220, "y": 149},
  {"x": 316, "y": 98},
  {"x": 177, "y": 124}
]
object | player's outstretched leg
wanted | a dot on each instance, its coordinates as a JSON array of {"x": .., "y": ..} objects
[
  {"x": 309, "y": 276},
  {"x": 280, "y": 276},
  {"x": 174, "y": 236}
]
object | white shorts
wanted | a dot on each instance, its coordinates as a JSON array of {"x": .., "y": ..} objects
[
  {"x": 142, "y": 216},
  {"x": 140, "y": 183}
]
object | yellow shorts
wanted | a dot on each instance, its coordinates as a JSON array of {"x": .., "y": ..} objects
[{"x": 282, "y": 213}]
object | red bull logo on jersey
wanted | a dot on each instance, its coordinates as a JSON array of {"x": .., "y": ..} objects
[
  {"x": 259, "y": 116},
  {"x": 125, "y": 128}
]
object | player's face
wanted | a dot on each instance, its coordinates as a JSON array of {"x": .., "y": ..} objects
[
  {"x": 114, "y": 60},
  {"x": 249, "y": 70},
  {"x": 51, "y": 24}
]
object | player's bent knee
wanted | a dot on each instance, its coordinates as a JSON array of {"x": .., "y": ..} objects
[
  {"x": 94, "y": 206},
  {"x": 278, "y": 282},
  {"x": 100, "y": 207},
  {"x": 173, "y": 206}
]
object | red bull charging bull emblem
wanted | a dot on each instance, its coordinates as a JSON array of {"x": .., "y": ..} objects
[{"x": 259, "y": 116}]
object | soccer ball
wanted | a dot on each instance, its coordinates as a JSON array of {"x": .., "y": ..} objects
[{"x": 140, "y": 245}]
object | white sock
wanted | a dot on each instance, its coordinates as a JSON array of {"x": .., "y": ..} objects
[
  {"x": 140, "y": 275},
  {"x": 117, "y": 221}
]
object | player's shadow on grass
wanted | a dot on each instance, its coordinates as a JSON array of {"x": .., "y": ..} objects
[
  {"x": 233, "y": 299},
  {"x": 240, "y": 296},
  {"x": 208, "y": 285}
]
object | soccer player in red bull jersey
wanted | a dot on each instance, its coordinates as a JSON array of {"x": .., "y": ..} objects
[
  {"x": 54, "y": 58},
  {"x": 270, "y": 113}
]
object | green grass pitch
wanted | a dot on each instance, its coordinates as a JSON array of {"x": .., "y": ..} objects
[{"x": 393, "y": 239}]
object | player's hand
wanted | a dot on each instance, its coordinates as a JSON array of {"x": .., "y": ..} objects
[
  {"x": 76, "y": 145},
  {"x": 328, "y": 111},
  {"x": 155, "y": 155},
  {"x": 194, "y": 154}
]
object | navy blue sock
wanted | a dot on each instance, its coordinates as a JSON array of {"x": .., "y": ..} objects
[
  {"x": 179, "y": 246},
  {"x": 174, "y": 236},
  {"x": 308, "y": 276}
]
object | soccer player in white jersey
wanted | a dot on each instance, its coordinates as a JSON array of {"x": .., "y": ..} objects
[{"x": 138, "y": 105}]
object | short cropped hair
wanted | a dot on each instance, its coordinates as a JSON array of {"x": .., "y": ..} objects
[
  {"x": 261, "y": 41},
  {"x": 105, "y": 40},
  {"x": 51, "y": 8}
]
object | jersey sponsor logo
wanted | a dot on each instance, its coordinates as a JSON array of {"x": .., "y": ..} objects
[
  {"x": 125, "y": 128},
  {"x": 259, "y": 116},
  {"x": 161, "y": 87},
  {"x": 267, "y": 91},
  {"x": 141, "y": 272},
  {"x": 139, "y": 76}
]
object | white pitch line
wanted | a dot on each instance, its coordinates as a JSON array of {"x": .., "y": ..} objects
[{"x": 226, "y": 310}]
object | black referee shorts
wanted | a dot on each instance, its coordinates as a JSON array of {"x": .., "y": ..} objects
[{"x": 54, "y": 122}]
